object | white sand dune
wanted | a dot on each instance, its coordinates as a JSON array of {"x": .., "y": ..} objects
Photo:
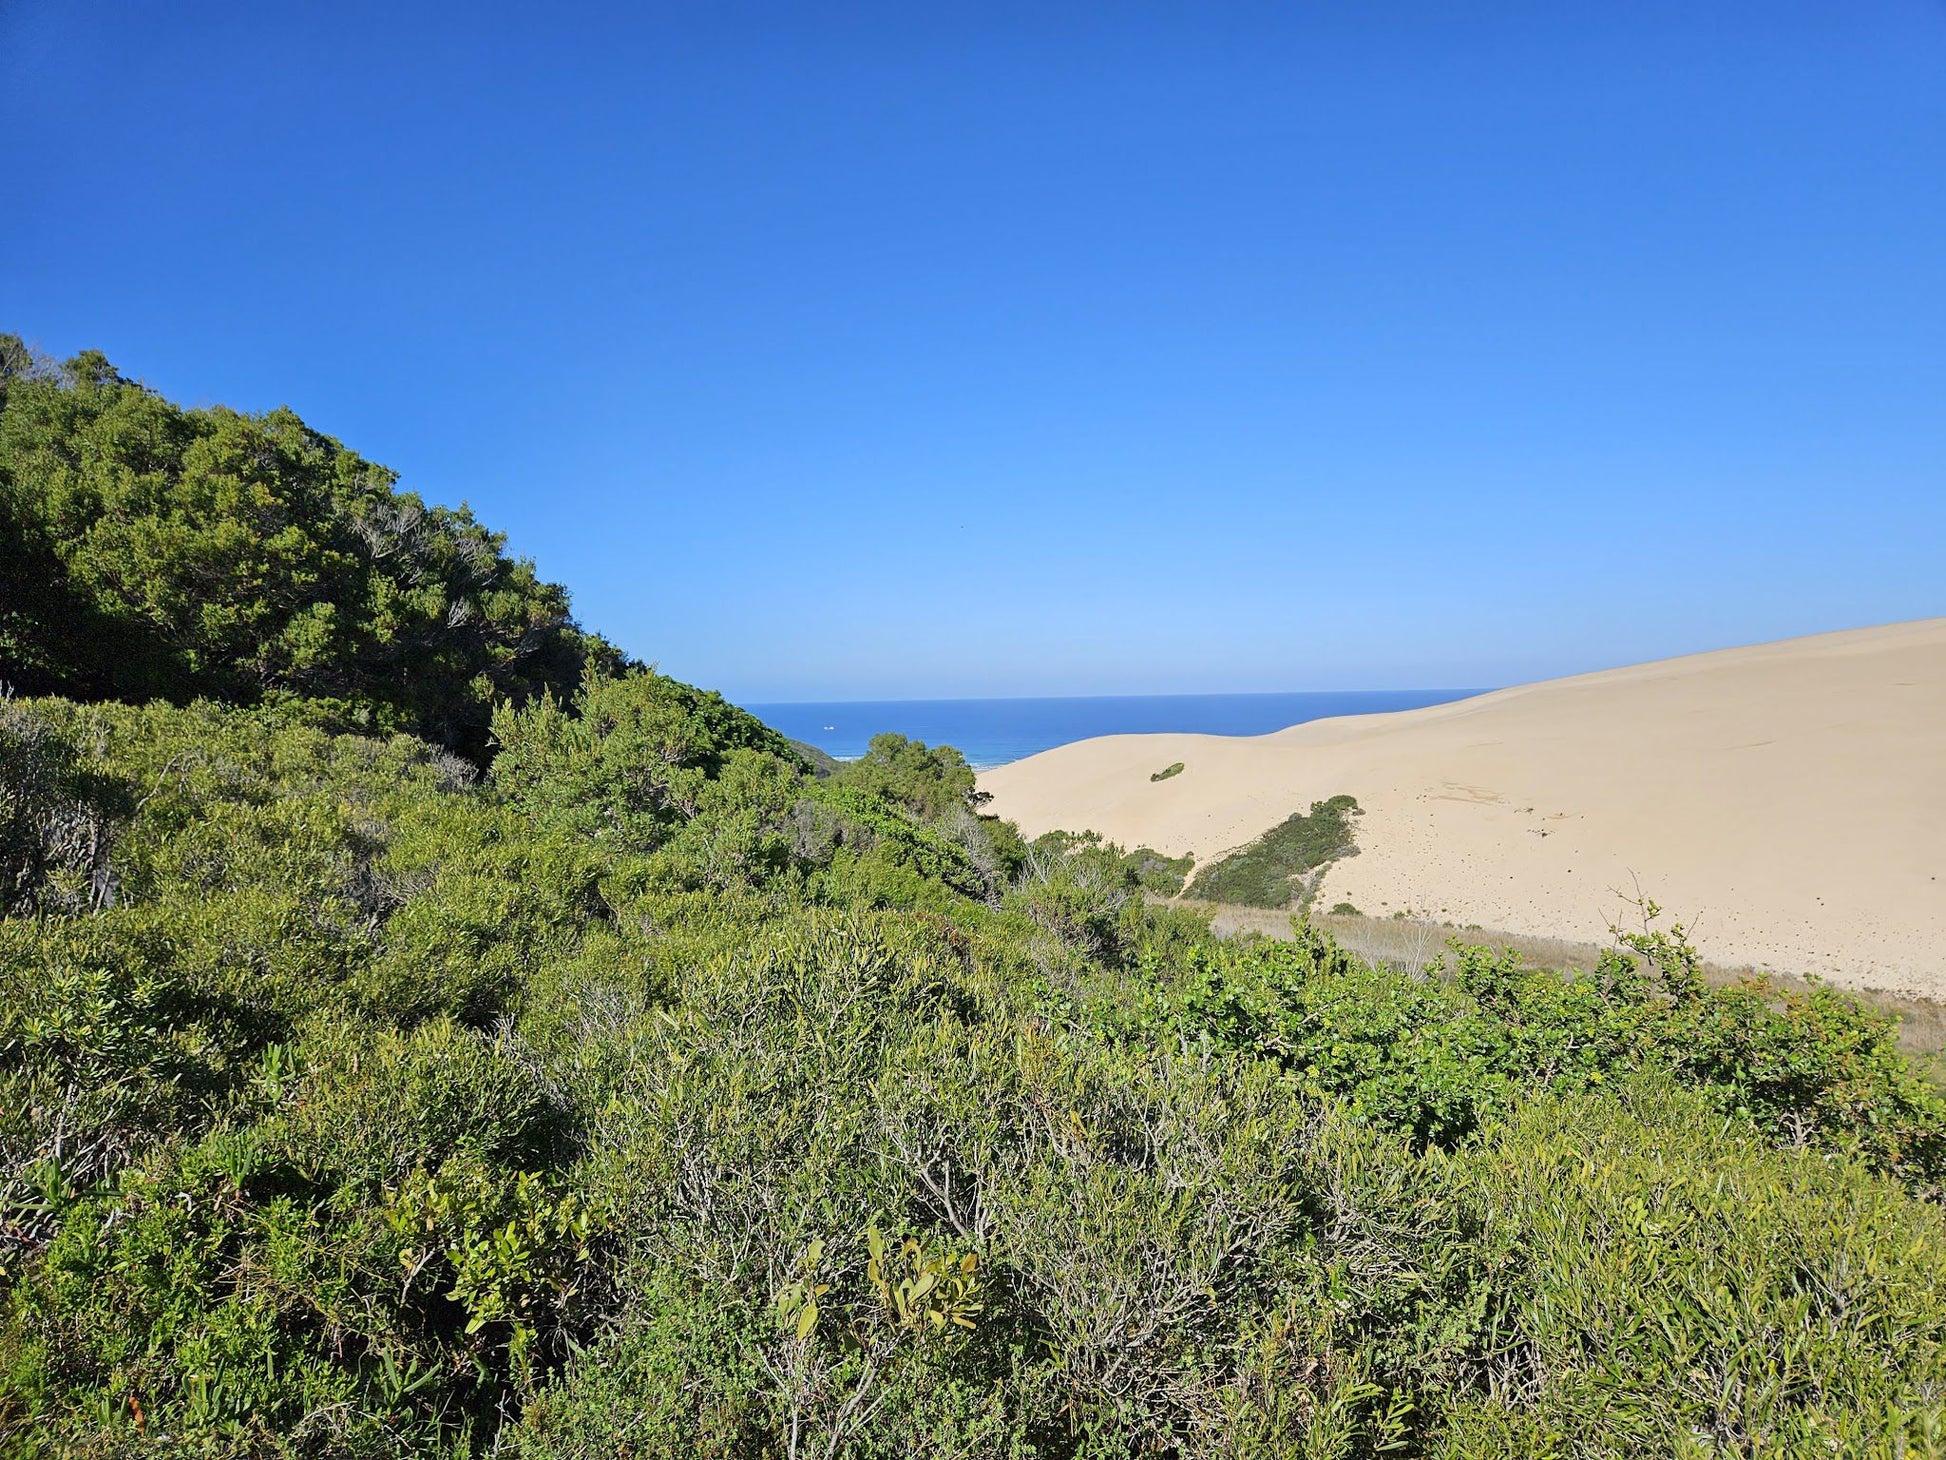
[{"x": 1787, "y": 800}]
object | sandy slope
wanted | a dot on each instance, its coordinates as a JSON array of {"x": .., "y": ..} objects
[{"x": 1788, "y": 800}]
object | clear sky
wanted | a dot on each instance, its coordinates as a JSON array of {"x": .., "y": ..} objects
[{"x": 830, "y": 350}]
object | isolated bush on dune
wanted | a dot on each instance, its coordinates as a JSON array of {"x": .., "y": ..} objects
[{"x": 1281, "y": 867}]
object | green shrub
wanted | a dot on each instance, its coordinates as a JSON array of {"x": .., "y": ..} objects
[
  {"x": 57, "y": 819},
  {"x": 372, "y": 1105},
  {"x": 393, "y": 1111},
  {"x": 1275, "y": 870},
  {"x": 1144, "y": 867},
  {"x": 652, "y": 1095},
  {"x": 1433, "y": 1058},
  {"x": 1681, "y": 1286},
  {"x": 926, "y": 782},
  {"x": 631, "y": 760}
]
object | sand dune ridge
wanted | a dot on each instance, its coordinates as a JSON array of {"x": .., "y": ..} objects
[{"x": 1787, "y": 799}]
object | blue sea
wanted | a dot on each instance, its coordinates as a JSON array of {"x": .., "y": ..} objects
[{"x": 992, "y": 732}]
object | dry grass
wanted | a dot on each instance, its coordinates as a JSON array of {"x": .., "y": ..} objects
[{"x": 1413, "y": 945}]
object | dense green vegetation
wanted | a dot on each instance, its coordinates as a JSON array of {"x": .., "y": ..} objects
[
  {"x": 1144, "y": 867},
  {"x": 1275, "y": 869},
  {"x": 1174, "y": 768},
  {"x": 922, "y": 781},
  {"x": 157, "y": 552},
  {"x": 646, "y": 1094},
  {"x": 819, "y": 762}
]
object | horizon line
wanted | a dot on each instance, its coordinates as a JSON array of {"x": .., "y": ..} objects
[{"x": 1459, "y": 690}]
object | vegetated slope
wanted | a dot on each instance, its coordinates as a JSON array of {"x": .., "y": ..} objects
[
  {"x": 649, "y": 1095},
  {"x": 821, "y": 762},
  {"x": 158, "y": 552},
  {"x": 1790, "y": 797}
]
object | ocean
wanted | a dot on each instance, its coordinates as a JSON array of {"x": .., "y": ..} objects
[{"x": 992, "y": 732}]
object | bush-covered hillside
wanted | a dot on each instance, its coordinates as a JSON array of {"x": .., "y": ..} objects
[
  {"x": 154, "y": 552},
  {"x": 649, "y": 1095}
]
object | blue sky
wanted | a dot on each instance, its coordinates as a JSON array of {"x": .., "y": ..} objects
[{"x": 841, "y": 351}]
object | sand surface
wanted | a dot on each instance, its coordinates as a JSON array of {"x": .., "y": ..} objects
[{"x": 1787, "y": 801}]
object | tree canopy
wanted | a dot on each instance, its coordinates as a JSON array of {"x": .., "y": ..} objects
[{"x": 159, "y": 552}]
